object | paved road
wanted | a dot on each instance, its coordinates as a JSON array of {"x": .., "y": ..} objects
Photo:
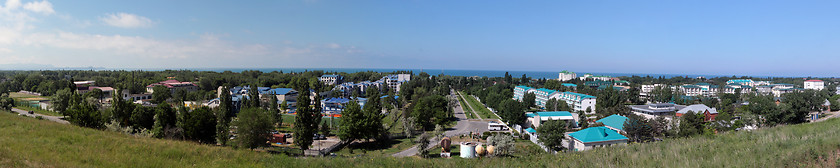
[
  {"x": 51, "y": 118},
  {"x": 468, "y": 105},
  {"x": 830, "y": 115},
  {"x": 463, "y": 126}
]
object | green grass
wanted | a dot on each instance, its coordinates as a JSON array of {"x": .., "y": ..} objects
[
  {"x": 482, "y": 111},
  {"x": 38, "y": 110},
  {"x": 23, "y": 95},
  {"x": 28, "y": 142},
  {"x": 379, "y": 149},
  {"x": 467, "y": 110}
]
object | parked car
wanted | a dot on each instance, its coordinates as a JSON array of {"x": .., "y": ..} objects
[{"x": 31, "y": 112}]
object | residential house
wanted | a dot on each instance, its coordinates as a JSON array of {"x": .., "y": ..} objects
[
  {"x": 814, "y": 84},
  {"x": 519, "y": 92},
  {"x": 614, "y": 122},
  {"x": 331, "y": 79},
  {"x": 566, "y": 76},
  {"x": 656, "y": 109},
  {"x": 173, "y": 86},
  {"x": 593, "y": 137},
  {"x": 536, "y": 118},
  {"x": 709, "y": 113}
]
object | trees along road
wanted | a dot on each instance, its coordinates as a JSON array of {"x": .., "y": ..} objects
[{"x": 463, "y": 126}]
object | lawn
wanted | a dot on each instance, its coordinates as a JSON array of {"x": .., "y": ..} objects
[
  {"x": 467, "y": 110},
  {"x": 482, "y": 111},
  {"x": 377, "y": 149},
  {"x": 38, "y": 110},
  {"x": 29, "y": 142}
]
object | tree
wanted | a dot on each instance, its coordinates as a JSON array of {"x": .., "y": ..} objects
[
  {"x": 121, "y": 109},
  {"x": 164, "y": 119},
  {"x": 325, "y": 129},
  {"x": 253, "y": 127},
  {"x": 638, "y": 129},
  {"x": 7, "y": 102},
  {"x": 551, "y": 134},
  {"x": 524, "y": 79},
  {"x": 199, "y": 124},
  {"x": 61, "y": 100},
  {"x": 160, "y": 94},
  {"x": 275, "y": 111},
  {"x": 429, "y": 110},
  {"x": 691, "y": 124},
  {"x": 551, "y": 104},
  {"x": 304, "y": 121},
  {"x": 610, "y": 101},
  {"x": 529, "y": 100},
  {"x": 422, "y": 145},
  {"x": 254, "y": 96},
  {"x": 511, "y": 113},
  {"x": 351, "y": 126},
  {"x": 143, "y": 117},
  {"x": 85, "y": 113},
  {"x": 503, "y": 143},
  {"x": 661, "y": 94}
]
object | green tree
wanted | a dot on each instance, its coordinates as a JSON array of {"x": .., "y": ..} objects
[
  {"x": 422, "y": 145},
  {"x": 638, "y": 129},
  {"x": 428, "y": 110},
  {"x": 551, "y": 134},
  {"x": 529, "y": 100},
  {"x": 85, "y": 113},
  {"x": 551, "y": 104},
  {"x": 351, "y": 126},
  {"x": 304, "y": 120},
  {"x": 325, "y": 129},
  {"x": 691, "y": 124},
  {"x": 253, "y": 127},
  {"x": 61, "y": 100},
  {"x": 503, "y": 143},
  {"x": 7, "y": 102},
  {"x": 160, "y": 94},
  {"x": 121, "y": 110},
  {"x": 511, "y": 113},
  {"x": 199, "y": 124},
  {"x": 143, "y": 117},
  {"x": 165, "y": 118},
  {"x": 274, "y": 110},
  {"x": 254, "y": 96}
]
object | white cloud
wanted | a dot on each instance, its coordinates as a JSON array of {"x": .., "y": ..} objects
[
  {"x": 126, "y": 20},
  {"x": 12, "y": 4},
  {"x": 42, "y": 7},
  {"x": 5, "y": 50},
  {"x": 333, "y": 46}
]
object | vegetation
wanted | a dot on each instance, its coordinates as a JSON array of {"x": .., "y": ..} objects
[
  {"x": 482, "y": 111},
  {"x": 512, "y": 112},
  {"x": 305, "y": 122},
  {"x": 551, "y": 134},
  {"x": 253, "y": 126}
]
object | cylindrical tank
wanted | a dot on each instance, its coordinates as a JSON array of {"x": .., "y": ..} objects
[
  {"x": 467, "y": 150},
  {"x": 445, "y": 143},
  {"x": 479, "y": 150},
  {"x": 490, "y": 149}
]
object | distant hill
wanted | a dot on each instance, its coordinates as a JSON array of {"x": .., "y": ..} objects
[{"x": 28, "y": 142}]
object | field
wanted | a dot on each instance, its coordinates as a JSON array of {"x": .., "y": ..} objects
[
  {"x": 28, "y": 142},
  {"x": 482, "y": 111}
]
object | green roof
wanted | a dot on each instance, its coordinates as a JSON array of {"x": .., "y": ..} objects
[
  {"x": 597, "y": 134},
  {"x": 616, "y": 121}
]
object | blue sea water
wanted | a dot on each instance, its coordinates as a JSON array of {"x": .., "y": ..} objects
[{"x": 480, "y": 73}]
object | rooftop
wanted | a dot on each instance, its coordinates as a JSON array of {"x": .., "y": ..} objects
[
  {"x": 597, "y": 134},
  {"x": 616, "y": 121},
  {"x": 813, "y": 80},
  {"x": 698, "y": 108}
]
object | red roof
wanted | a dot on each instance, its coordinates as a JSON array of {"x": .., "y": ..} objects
[{"x": 813, "y": 80}]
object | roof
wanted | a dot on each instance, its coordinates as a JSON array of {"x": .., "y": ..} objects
[
  {"x": 582, "y": 96},
  {"x": 531, "y": 130},
  {"x": 597, "y": 134},
  {"x": 698, "y": 108},
  {"x": 523, "y": 87},
  {"x": 569, "y": 84},
  {"x": 616, "y": 121},
  {"x": 330, "y": 76},
  {"x": 690, "y": 86},
  {"x": 553, "y": 113},
  {"x": 813, "y": 80},
  {"x": 277, "y": 91}
]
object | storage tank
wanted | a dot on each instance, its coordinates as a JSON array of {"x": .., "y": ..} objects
[{"x": 467, "y": 149}]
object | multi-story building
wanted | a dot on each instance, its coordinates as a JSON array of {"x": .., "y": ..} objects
[
  {"x": 734, "y": 87},
  {"x": 519, "y": 92},
  {"x": 395, "y": 81},
  {"x": 747, "y": 82},
  {"x": 173, "y": 86},
  {"x": 331, "y": 79},
  {"x": 566, "y": 76},
  {"x": 780, "y": 92},
  {"x": 814, "y": 84},
  {"x": 646, "y": 89},
  {"x": 577, "y": 101},
  {"x": 543, "y": 95}
]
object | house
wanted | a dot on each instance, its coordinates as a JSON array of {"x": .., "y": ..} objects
[
  {"x": 614, "y": 122},
  {"x": 655, "y": 109},
  {"x": 566, "y": 76},
  {"x": 173, "y": 85},
  {"x": 135, "y": 97},
  {"x": 593, "y": 137},
  {"x": 814, "y": 84},
  {"x": 331, "y": 79},
  {"x": 709, "y": 113},
  {"x": 536, "y": 118}
]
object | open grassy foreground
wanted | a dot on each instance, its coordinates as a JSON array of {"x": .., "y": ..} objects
[{"x": 28, "y": 142}]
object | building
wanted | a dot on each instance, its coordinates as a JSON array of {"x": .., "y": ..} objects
[
  {"x": 282, "y": 94},
  {"x": 543, "y": 95},
  {"x": 173, "y": 85},
  {"x": 656, "y": 109},
  {"x": 126, "y": 95},
  {"x": 578, "y": 102},
  {"x": 566, "y": 76},
  {"x": 519, "y": 92},
  {"x": 334, "y": 106},
  {"x": 395, "y": 81},
  {"x": 536, "y": 118},
  {"x": 746, "y": 82},
  {"x": 593, "y": 137},
  {"x": 780, "y": 92},
  {"x": 709, "y": 113},
  {"x": 331, "y": 79},
  {"x": 598, "y": 83},
  {"x": 569, "y": 85},
  {"x": 814, "y": 84},
  {"x": 734, "y": 88},
  {"x": 614, "y": 122},
  {"x": 593, "y": 77}
]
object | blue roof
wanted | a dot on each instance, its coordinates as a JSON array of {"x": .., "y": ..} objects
[
  {"x": 523, "y": 87},
  {"x": 597, "y": 134},
  {"x": 569, "y": 84},
  {"x": 278, "y": 91},
  {"x": 336, "y": 100},
  {"x": 582, "y": 96},
  {"x": 531, "y": 130},
  {"x": 330, "y": 75},
  {"x": 548, "y": 91},
  {"x": 616, "y": 121},
  {"x": 553, "y": 113}
]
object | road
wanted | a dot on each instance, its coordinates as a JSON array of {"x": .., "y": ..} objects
[
  {"x": 463, "y": 126},
  {"x": 830, "y": 115},
  {"x": 46, "y": 117}
]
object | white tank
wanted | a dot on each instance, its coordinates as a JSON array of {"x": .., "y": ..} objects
[{"x": 467, "y": 149}]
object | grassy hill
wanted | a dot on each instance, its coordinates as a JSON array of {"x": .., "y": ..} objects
[{"x": 27, "y": 142}]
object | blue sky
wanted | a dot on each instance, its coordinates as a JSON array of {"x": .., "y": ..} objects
[{"x": 791, "y": 38}]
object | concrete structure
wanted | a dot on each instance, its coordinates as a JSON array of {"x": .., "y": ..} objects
[
  {"x": 543, "y": 95},
  {"x": 780, "y": 92},
  {"x": 566, "y": 76},
  {"x": 814, "y": 84},
  {"x": 709, "y": 113},
  {"x": 657, "y": 109},
  {"x": 593, "y": 77},
  {"x": 614, "y": 122},
  {"x": 593, "y": 137},
  {"x": 395, "y": 81},
  {"x": 519, "y": 92},
  {"x": 135, "y": 97},
  {"x": 173, "y": 85},
  {"x": 336, "y": 105},
  {"x": 537, "y": 118},
  {"x": 645, "y": 90},
  {"x": 746, "y": 82},
  {"x": 331, "y": 79},
  {"x": 468, "y": 149}
]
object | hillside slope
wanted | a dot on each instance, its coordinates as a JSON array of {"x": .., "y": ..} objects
[{"x": 27, "y": 142}]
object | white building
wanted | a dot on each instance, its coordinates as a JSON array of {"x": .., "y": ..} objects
[
  {"x": 646, "y": 89},
  {"x": 331, "y": 79},
  {"x": 577, "y": 101},
  {"x": 747, "y": 82},
  {"x": 566, "y": 75},
  {"x": 814, "y": 84}
]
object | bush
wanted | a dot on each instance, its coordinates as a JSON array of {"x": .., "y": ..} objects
[{"x": 39, "y": 117}]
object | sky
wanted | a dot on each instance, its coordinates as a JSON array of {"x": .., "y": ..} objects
[{"x": 749, "y": 37}]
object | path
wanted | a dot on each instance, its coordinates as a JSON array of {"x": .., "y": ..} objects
[
  {"x": 831, "y": 115},
  {"x": 463, "y": 126},
  {"x": 468, "y": 105},
  {"x": 51, "y": 118}
]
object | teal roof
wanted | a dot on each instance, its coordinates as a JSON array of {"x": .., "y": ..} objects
[
  {"x": 690, "y": 86},
  {"x": 553, "y": 113},
  {"x": 569, "y": 84},
  {"x": 582, "y": 96},
  {"x": 597, "y": 134},
  {"x": 702, "y": 84},
  {"x": 523, "y": 87},
  {"x": 547, "y": 91},
  {"x": 531, "y": 130},
  {"x": 566, "y": 72},
  {"x": 529, "y": 115},
  {"x": 616, "y": 121}
]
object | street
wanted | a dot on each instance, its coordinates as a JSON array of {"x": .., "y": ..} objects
[{"x": 46, "y": 117}]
